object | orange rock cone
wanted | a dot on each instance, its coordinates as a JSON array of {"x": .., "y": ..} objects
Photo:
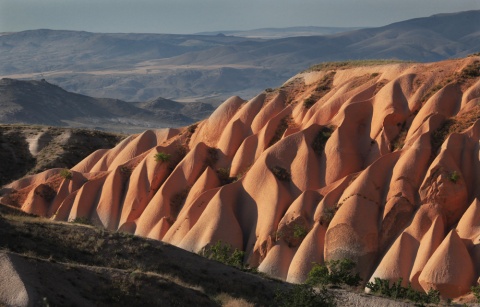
[{"x": 377, "y": 163}]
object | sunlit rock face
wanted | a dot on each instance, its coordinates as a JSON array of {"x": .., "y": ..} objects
[{"x": 376, "y": 163}]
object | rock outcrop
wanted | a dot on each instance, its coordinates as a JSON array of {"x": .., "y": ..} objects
[{"x": 377, "y": 163}]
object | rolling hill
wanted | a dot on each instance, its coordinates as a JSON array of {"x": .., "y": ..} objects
[
  {"x": 42, "y": 103},
  {"x": 141, "y": 67}
]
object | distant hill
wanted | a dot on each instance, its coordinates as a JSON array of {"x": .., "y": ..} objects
[
  {"x": 270, "y": 33},
  {"x": 210, "y": 68},
  {"x": 42, "y": 103},
  {"x": 422, "y": 39},
  {"x": 29, "y": 149}
]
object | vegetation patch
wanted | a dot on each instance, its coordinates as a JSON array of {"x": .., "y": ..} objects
[
  {"x": 66, "y": 174},
  {"x": 399, "y": 141},
  {"x": 334, "y": 272},
  {"x": 191, "y": 129},
  {"x": 322, "y": 88},
  {"x": 224, "y": 253},
  {"x": 162, "y": 157},
  {"x": 309, "y": 102},
  {"x": 304, "y": 295},
  {"x": 127, "y": 170},
  {"x": 351, "y": 64},
  {"x": 476, "y": 292},
  {"x": 471, "y": 71},
  {"x": 321, "y": 139},
  {"x": 432, "y": 91},
  {"x": 327, "y": 216},
  {"x": 78, "y": 246},
  {"x": 455, "y": 124},
  {"x": 178, "y": 200},
  {"x": 46, "y": 192},
  {"x": 81, "y": 220},
  {"x": 212, "y": 157},
  {"x": 396, "y": 291},
  {"x": 454, "y": 176},
  {"x": 281, "y": 128},
  {"x": 293, "y": 233},
  {"x": 281, "y": 173},
  {"x": 299, "y": 231},
  {"x": 181, "y": 151},
  {"x": 224, "y": 176}
]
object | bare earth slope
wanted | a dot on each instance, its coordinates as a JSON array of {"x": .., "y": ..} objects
[{"x": 377, "y": 163}]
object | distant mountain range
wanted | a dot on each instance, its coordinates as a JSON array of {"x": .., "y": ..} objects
[
  {"x": 42, "y": 103},
  {"x": 140, "y": 67}
]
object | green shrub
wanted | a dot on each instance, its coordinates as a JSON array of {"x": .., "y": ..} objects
[
  {"x": 476, "y": 292},
  {"x": 162, "y": 157},
  {"x": 66, "y": 174},
  {"x": 334, "y": 272},
  {"x": 304, "y": 295},
  {"x": 224, "y": 253},
  {"x": 299, "y": 231},
  {"x": 454, "y": 176},
  {"x": 397, "y": 291}
]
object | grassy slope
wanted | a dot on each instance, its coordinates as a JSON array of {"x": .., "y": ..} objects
[{"x": 84, "y": 264}]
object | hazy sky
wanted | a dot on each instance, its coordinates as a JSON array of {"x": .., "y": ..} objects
[{"x": 190, "y": 16}]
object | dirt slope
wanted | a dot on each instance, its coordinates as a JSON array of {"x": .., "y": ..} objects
[
  {"x": 26, "y": 149},
  {"x": 377, "y": 163}
]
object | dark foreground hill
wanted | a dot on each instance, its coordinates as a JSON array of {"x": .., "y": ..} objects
[{"x": 46, "y": 263}]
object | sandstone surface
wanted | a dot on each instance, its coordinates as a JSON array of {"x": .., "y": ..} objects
[{"x": 377, "y": 163}]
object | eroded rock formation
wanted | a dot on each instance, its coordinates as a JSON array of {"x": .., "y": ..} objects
[{"x": 378, "y": 164}]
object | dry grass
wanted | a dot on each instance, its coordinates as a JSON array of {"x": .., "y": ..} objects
[
  {"x": 226, "y": 300},
  {"x": 129, "y": 264},
  {"x": 455, "y": 124},
  {"x": 351, "y": 64}
]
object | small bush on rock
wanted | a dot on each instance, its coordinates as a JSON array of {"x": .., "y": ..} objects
[
  {"x": 162, "y": 157},
  {"x": 224, "y": 252},
  {"x": 66, "y": 174},
  {"x": 334, "y": 272},
  {"x": 397, "y": 291}
]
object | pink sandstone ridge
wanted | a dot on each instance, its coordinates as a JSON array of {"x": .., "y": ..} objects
[{"x": 378, "y": 163}]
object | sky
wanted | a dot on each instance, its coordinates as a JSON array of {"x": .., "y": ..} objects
[{"x": 192, "y": 16}]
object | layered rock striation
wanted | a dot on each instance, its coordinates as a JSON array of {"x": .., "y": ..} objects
[{"x": 377, "y": 163}]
